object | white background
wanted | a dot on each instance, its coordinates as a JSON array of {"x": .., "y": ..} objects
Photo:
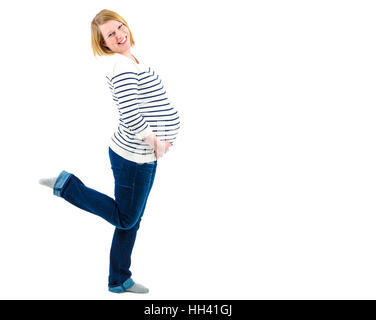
[{"x": 269, "y": 191}]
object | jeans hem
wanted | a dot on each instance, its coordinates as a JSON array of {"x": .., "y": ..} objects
[
  {"x": 60, "y": 183},
  {"x": 123, "y": 287}
]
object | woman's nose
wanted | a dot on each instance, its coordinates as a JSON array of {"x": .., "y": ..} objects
[{"x": 118, "y": 35}]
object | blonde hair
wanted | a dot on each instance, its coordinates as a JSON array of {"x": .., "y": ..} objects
[{"x": 97, "y": 41}]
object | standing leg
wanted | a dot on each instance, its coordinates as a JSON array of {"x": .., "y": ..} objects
[
  {"x": 121, "y": 249},
  {"x": 120, "y": 255}
]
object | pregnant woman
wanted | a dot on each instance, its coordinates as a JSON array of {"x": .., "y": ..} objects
[{"x": 148, "y": 126}]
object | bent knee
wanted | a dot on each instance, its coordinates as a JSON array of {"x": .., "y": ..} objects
[{"x": 127, "y": 224}]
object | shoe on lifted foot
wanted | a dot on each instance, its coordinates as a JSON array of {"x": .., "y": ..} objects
[{"x": 48, "y": 182}]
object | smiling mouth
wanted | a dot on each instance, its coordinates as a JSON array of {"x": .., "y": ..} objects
[{"x": 124, "y": 40}]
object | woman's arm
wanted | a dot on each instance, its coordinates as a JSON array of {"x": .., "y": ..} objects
[{"x": 125, "y": 93}]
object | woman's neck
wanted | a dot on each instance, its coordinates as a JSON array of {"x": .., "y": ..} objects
[{"x": 129, "y": 55}]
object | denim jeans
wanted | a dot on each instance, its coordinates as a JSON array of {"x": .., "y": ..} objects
[{"x": 133, "y": 182}]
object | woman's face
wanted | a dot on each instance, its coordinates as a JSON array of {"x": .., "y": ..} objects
[{"x": 116, "y": 36}]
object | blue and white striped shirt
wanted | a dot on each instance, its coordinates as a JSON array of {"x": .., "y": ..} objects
[{"x": 143, "y": 108}]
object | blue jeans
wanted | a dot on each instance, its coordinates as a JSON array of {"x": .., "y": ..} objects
[{"x": 133, "y": 183}]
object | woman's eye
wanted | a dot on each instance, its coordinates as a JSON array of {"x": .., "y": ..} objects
[{"x": 120, "y": 26}]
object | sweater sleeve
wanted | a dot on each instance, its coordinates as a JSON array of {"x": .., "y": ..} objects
[{"x": 125, "y": 93}]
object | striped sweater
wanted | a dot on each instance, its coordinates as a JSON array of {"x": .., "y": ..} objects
[{"x": 143, "y": 109}]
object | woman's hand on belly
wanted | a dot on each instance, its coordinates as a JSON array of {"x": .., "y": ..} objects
[{"x": 160, "y": 147}]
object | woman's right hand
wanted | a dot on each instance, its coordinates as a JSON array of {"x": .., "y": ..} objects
[{"x": 160, "y": 147}]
